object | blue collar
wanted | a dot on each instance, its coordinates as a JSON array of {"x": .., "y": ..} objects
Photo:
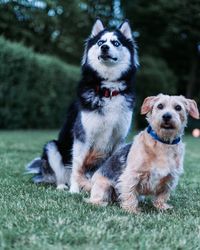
[{"x": 157, "y": 138}]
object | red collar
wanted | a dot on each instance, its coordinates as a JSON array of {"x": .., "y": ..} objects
[{"x": 106, "y": 92}]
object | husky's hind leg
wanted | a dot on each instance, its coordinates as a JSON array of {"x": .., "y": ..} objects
[
  {"x": 55, "y": 161},
  {"x": 101, "y": 191}
]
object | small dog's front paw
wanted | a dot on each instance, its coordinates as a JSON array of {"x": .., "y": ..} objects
[
  {"x": 96, "y": 202},
  {"x": 62, "y": 187},
  {"x": 162, "y": 206},
  {"x": 131, "y": 209}
]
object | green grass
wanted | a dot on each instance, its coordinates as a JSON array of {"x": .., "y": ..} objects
[{"x": 40, "y": 217}]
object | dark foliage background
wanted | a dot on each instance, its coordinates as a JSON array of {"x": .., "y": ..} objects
[{"x": 35, "y": 89}]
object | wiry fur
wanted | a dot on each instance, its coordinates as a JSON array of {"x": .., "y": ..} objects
[
  {"x": 149, "y": 166},
  {"x": 96, "y": 124}
]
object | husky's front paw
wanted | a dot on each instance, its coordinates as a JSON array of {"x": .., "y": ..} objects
[
  {"x": 74, "y": 189},
  {"x": 62, "y": 187}
]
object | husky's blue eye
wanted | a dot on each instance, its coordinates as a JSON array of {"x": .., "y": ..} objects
[
  {"x": 116, "y": 43},
  {"x": 100, "y": 42}
]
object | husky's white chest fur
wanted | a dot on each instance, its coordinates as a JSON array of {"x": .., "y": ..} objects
[{"x": 104, "y": 130}]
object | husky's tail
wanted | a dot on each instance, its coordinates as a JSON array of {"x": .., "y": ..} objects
[
  {"x": 54, "y": 164},
  {"x": 41, "y": 171}
]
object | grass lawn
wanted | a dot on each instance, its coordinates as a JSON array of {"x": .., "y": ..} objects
[{"x": 40, "y": 217}]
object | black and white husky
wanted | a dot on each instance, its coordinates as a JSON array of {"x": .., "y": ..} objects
[{"x": 98, "y": 122}]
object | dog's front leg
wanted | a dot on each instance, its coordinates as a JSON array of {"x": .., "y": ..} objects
[
  {"x": 78, "y": 178},
  {"x": 129, "y": 202},
  {"x": 128, "y": 193}
]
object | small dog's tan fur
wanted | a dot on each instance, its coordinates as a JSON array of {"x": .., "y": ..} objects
[{"x": 152, "y": 167}]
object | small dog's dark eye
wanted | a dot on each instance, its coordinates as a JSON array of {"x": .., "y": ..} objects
[
  {"x": 100, "y": 42},
  {"x": 116, "y": 43},
  {"x": 160, "y": 106},
  {"x": 178, "y": 108}
]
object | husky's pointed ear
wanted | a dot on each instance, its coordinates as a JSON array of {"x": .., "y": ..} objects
[
  {"x": 126, "y": 30},
  {"x": 97, "y": 27}
]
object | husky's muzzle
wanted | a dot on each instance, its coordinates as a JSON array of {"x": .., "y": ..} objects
[{"x": 105, "y": 55}]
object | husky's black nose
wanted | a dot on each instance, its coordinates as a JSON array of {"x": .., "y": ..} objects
[
  {"x": 167, "y": 117},
  {"x": 104, "y": 48}
]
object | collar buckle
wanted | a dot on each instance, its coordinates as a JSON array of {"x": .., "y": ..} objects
[{"x": 105, "y": 92}]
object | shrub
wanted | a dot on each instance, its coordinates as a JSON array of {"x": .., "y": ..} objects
[{"x": 35, "y": 90}]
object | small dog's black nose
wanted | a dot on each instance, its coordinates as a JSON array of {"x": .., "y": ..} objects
[
  {"x": 167, "y": 117},
  {"x": 104, "y": 48}
]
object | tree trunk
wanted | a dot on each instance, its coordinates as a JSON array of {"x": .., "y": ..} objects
[{"x": 192, "y": 78}]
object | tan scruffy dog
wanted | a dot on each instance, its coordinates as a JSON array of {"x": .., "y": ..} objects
[{"x": 153, "y": 163}]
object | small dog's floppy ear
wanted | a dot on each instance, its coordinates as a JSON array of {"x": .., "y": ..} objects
[
  {"x": 148, "y": 104},
  {"x": 97, "y": 27},
  {"x": 192, "y": 108},
  {"x": 126, "y": 30}
]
